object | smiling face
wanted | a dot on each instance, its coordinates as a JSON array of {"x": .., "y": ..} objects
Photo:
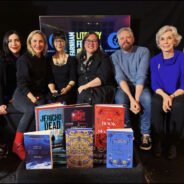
[
  {"x": 167, "y": 42},
  {"x": 37, "y": 44},
  {"x": 59, "y": 44},
  {"x": 91, "y": 44},
  {"x": 14, "y": 44},
  {"x": 126, "y": 40}
]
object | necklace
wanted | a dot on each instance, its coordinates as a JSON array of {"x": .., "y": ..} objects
[{"x": 60, "y": 60}]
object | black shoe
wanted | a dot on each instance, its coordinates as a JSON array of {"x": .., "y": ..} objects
[
  {"x": 171, "y": 154},
  {"x": 157, "y": 149},
  {"x": 145, "y": 142},
  {"x": 3, "y": 151}
]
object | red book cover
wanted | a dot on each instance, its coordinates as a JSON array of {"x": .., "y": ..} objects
[{"x": 107, "y": 116}]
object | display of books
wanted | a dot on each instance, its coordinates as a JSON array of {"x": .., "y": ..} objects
[
  {"x": 38, "y": 150},
  {"x": 120, "y": 148}
]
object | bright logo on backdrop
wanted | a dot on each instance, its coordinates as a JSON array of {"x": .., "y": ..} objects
[
  {"x": 50, "y": 40},
  {"x": 113, "y": 41}
]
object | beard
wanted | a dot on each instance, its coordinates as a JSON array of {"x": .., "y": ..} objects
[{"x": 127, "y": 46}]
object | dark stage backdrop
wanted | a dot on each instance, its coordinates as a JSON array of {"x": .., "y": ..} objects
[{"x": 146, "y": 16}]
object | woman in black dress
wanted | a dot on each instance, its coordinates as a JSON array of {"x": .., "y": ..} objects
[{"x": 64, "y": 71}]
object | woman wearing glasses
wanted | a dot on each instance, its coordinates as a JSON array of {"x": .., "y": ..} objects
[
  {"x": 96, "y": 82},
  {"x": 64, "y": 71}
]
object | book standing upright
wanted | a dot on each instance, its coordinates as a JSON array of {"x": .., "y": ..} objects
[
  {"x": 107, "y": 116},
  {"x": 79, "y": 147},
  {"x": 38, "y": 149},
  {"x": 120, "y": 148},
  {"x": 50, "y": 117}
]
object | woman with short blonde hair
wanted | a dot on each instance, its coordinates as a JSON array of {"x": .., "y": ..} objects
[
  {"x": 167, "y": 82},
  {"x": 174, "y": 32},
  {"x": 33, "y": 79},
  {"x": 29, "y": 38}
]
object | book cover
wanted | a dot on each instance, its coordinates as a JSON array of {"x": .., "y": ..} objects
[
  {"x": 78, "y": 116},
  {"x": 119, "y": 148},
  {"x": 38, "y": 150},
  {"x": 107, "y": 116},
  {"x": 99, "y": 156},
  {"x": 51, "y": 117},
  {"x": 79, "y": 147}
]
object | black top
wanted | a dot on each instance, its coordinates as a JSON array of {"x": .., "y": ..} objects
[
  {"x": 97, "y": 66},
  {"x": 2, "y": 81},
  {"x": 33, "y": 74},
  {"x": 64, "y": 73},
  {"x": 7, "y": 77}
]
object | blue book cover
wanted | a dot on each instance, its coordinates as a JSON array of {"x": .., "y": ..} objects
[
  {"x": 119, "y": 148},
  {"x": 38, "y": 150},
  {"x": 79, "y": 147},
  {"x": 50, "y": 117}
]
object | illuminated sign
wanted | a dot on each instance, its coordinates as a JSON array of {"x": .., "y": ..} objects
[{"x": 76, "y": 28}]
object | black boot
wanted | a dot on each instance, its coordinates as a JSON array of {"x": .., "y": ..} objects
[
  {"x": 171, "y": 152},
  {"x": 157, "y": 149}
]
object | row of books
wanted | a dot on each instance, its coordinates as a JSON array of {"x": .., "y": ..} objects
[
  {"x": 79, "y": 149},
  {"x": 59, "y": 119}
]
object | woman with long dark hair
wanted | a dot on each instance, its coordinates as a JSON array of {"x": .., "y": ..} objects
[
  {"x": 12, "y": 49},
  {"x": 96, "y": 81}
]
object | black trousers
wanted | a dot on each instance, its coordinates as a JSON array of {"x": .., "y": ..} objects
[
  {"x": 27, "y": 108},
  {"x": 169, "y": 126}
]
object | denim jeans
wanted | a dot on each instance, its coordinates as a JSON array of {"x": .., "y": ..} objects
[{"x": 144, "y": 115}]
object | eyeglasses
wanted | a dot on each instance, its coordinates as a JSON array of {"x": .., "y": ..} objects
[{"x": 91, "y": 41}]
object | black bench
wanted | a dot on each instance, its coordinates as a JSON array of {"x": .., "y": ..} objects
[{"x": 98, "y": 174}]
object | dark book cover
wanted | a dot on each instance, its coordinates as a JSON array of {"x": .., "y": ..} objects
[
  {"x": 78, "y": 116},
  {"x": 38, "y": 150},
  {"x": 120, "y": 148},
  {"x": 79, "y": 147},
  {"x": 107, "y": 116}
]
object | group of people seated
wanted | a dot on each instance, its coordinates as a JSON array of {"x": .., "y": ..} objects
[{"x": 150, "y": 87}]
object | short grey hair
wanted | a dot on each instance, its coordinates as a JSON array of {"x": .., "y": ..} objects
[
  {"x": 30, "y": 36},
  {"x": 125, "y": 29},
  {"x": 165, "y": 29}
]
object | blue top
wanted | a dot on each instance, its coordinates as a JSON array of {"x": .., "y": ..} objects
[
  {"x": 132, "y": 67},
  {"x": 167, "y": 74}
]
